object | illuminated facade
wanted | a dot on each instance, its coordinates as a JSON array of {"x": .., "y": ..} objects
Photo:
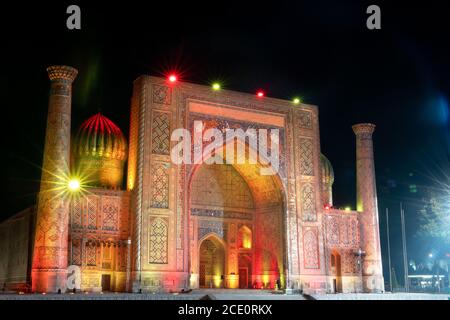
[{"x": 187, "y": 226}]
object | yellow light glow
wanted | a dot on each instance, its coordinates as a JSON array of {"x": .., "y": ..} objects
[
  {"x": 74, "y": 185},
  {"x": 348, "y": 209},
  {"x": 217, "y": 280},
  {"x": 296, "y": 100},
  {"x": 247, "y": 243},
  {"x": 216, "y": 86},
  {"x": 246, "y": 237}
]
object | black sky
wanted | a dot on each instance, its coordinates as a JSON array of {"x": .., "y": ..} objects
[{"x": 397, "y": 77}]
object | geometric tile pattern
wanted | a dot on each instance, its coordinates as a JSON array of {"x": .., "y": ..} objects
[
  {"x": 311, "y": 248},
  {"x": 220, "y": 185},
  {"x": 308, "y": 203},
  {"x": 304, "y": 119},
  {"x": 110, "y": 213},
  {"x": 160, "y": 133},
  {"x": 162, "y": 94},
  {"x": 209, "y": 226},
  {"x": 76, "y": 252},
  {"x": 306, "y": 157},
  {"x": 160, "y": 186},
  {"x": 333, "y": 231},
  {"x": 76, "y": 214},
  {"x": 341, "y": 231},
  {"x": 91, "y": 255},
  {"x": 158, "y": 241},
  {"x": 92, "y": 205}
]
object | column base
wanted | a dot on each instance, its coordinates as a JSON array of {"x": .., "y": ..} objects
[
  {"x": 373, "y": 284},
  {"x": 49, "y": 281},
  {"x": 194, "y": 281}
]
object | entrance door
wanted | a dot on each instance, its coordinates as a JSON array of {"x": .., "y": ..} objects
[
  {"x": 245, "y": 270},
  {"x": 106, "y": 282},
  {"x": 243, "y": 278},
  {"x": 212, "y": 263}
]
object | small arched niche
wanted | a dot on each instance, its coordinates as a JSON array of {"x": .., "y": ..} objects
[{"x": 245, "y": 238}]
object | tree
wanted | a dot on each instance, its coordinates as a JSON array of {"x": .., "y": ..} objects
[{"x": 434, "y": 217}]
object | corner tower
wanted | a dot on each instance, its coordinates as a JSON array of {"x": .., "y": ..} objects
[
  {"x": 366, "y": 204},
  {"x": 49, "y": 269}
]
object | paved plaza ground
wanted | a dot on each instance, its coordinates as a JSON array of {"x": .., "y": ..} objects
[{"x": 224, "y": 294}]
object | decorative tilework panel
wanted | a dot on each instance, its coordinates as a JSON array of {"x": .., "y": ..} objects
[
  {"x": 304, "y": 119},
  {"x": 308, "y": 203},
  {"x": 110, "y": 211},
  {"x": 91, "y": 255},
  {"x": 162, "y": 94},
  {"x": 311, "y": 249},
  {"x": 76, "y": 252},
  {"x": 92, "y": 207},
  {"x": 220, "y": 185},
  {"x": 77, "y": 214},
  {"x": 342, "y": 231},
  {"x": 158, "y": 237},
  {"x": 161, "y": 133},
  {"x": 306, "y": 157},
  {"x": 160, "y": 186}
]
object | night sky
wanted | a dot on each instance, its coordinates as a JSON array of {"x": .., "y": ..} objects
[{"x": 397, "y": 77}]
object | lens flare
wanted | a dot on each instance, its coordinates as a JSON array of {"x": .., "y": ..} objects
[
  {"x": 74, "y": 185},
  {"x": 172, "y": 78}
]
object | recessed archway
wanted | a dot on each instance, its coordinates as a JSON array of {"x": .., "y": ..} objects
[
  {"x": 211, "y": 263},
  {"x": 335, "y": 266},
  {"x": 240, "y": 205}
]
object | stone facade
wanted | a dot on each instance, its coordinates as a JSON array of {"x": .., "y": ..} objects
[{"x": 180, "y": 226}]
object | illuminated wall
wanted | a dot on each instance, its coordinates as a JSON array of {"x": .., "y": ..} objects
[
  {"x": 99, "y": 231},
  {"x": 16, "y": 242}
]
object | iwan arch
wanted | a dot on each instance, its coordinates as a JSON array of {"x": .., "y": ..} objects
[
  {"x": 177, "y": 227},
  {"x": 239, "y": 217}
]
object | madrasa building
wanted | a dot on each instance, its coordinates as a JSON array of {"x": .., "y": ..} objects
[{"x": 134, "y": 221}]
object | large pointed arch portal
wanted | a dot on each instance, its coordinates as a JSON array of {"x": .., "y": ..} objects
[{"x": 243, "y": 210}]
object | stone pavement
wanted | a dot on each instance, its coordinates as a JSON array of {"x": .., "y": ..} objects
[
  {"x": 224, "y": 294},
  {"x": 247, "y": 294},
  {"x": 202, "y": 294},
  {"x": 383, "y": 296}
]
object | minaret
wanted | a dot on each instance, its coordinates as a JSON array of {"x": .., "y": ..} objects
[
  {"x": 49, "y": 270},
  {"x": 372, "y": 270}
]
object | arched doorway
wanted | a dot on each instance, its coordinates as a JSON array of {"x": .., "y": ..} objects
[
  {"x": 246, "y": 210},
  {"x": 335, "y": 264},
  {"x": 245, "y": 271},
  {"x": 212, "y": 263}
]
